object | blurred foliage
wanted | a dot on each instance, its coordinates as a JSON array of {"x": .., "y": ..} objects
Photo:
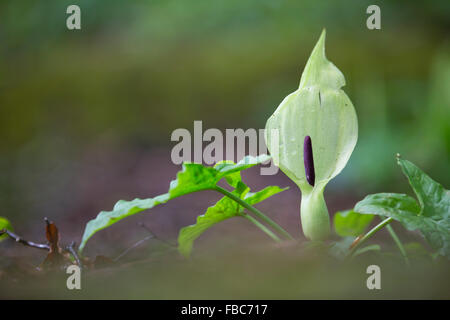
[{"x": 140, "y": 69}]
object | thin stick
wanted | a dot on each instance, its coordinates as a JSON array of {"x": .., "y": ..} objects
[
  {"x": 133, "y": 246},
  {"x": 255, "y": 211},
  {"x": 25, "y": 242},
  {"x": 141, "y": 224},
  {"x": 70, "y": 248}
]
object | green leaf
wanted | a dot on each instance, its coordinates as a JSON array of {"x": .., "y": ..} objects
[
  {"x": 192, "y": 178},
  {"x": 405, "y": 209},
  {"x": 393, "y": 205},
  {"x": 121, "y": 210},
  {"x": 233, "y": 178},
  {"x": 433, "y": 198},
  {"x": 5, "y": 224},
  {"x": 195, "y": 177},
  {"x": 224, "y": 209},
  {"x": 253, "y": 198},
  {"x": 350, "y": 223}
]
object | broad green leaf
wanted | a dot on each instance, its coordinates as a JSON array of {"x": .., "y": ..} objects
[
  {"x": 254, "y": 197},
  {"x": 121, "y": 210},
  {"x": 405, "y": 209},
  {"x": 193, "y": 177},
  {"x": 320, "y": 109},
  {"x": 433, "y": 198},
  {"x": 5, "y": 224},
  {"x": 232, "y": 178},
  {"x": 350, "y": 223},
  {"x": 393, "y": 205},
  {"x": 224, "y": 209}
]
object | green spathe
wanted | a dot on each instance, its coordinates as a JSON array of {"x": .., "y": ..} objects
[{"x": 321, "y": 110}]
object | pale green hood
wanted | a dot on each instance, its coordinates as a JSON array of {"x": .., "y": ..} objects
[{"x": 321, "y": 110}]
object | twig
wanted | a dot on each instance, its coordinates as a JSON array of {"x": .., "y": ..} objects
[
  {"x": 141, "y": 224},
  {"x": 70, "y": 248},
  {"x": 138, "y": 243},
  {"x": 133, "y": 246},
  {"x": 25, "y": 242}
]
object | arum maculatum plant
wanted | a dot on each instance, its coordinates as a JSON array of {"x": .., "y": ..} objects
[
  {"x": 311, "y": 136},
  {"x": 317, "y": 130}
]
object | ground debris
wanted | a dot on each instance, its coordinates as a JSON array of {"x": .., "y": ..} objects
[{"x": 57, "y": 257}]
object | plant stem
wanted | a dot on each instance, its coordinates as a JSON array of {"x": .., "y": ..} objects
[
  {"x": 369, "y": 234},
  {"x": 255, "y": 211},
  {"x": 262, "y": 227},
  {"x": 71, "y": 249},
  {"x": 398, "y": 243},
  {"x": 23, "y": 241}
]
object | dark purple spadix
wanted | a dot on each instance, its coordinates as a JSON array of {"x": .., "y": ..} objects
[{"x": 309, "y": 161}]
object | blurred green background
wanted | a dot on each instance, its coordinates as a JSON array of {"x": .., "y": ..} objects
[{"x": 75, "y": 105}]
